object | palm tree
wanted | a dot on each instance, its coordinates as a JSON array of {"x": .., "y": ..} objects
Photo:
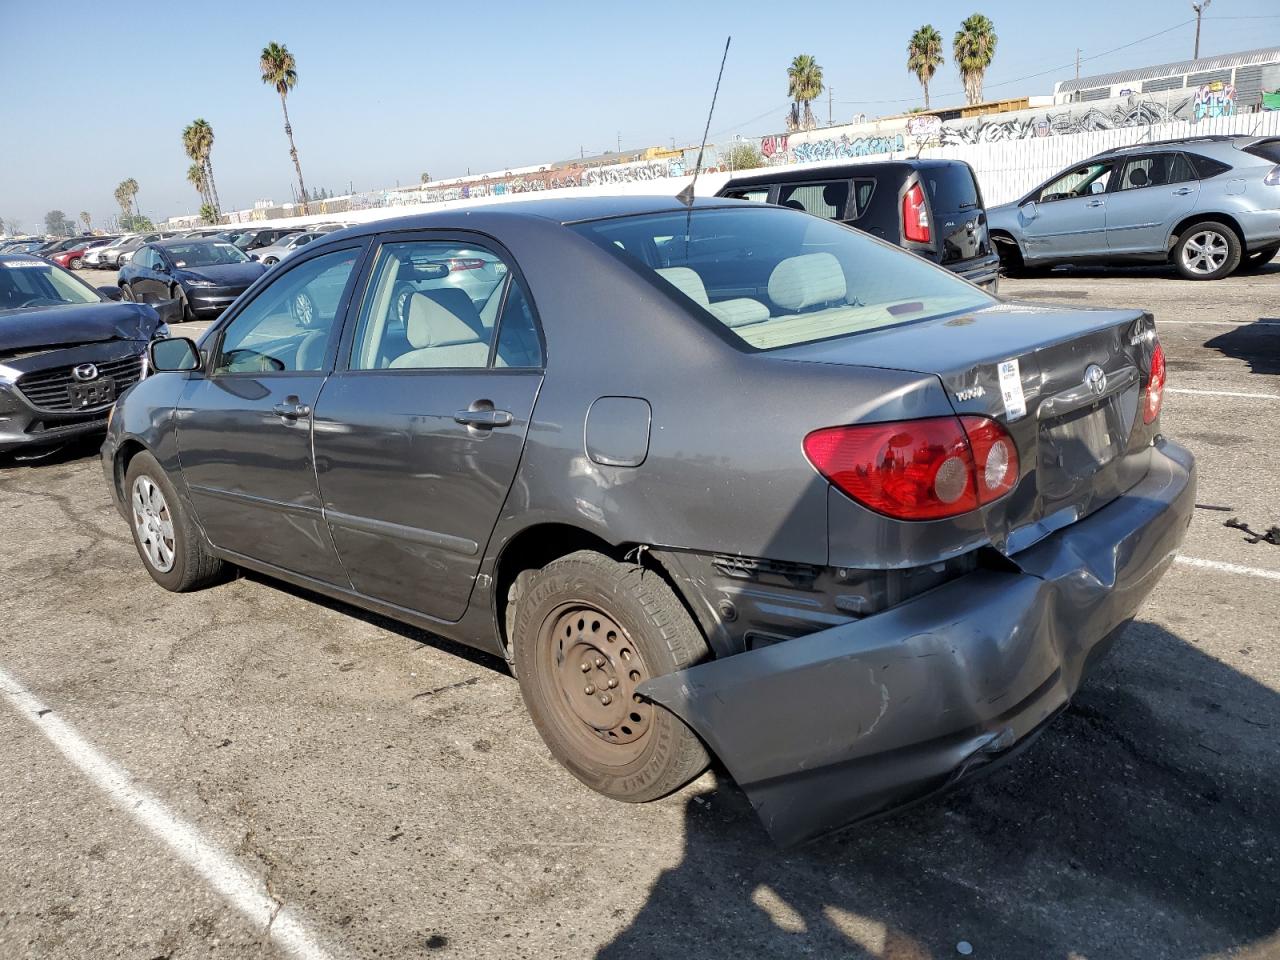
[
  {"x": 196, "y": 177},
  {"x": 804, "y": 83},
  {"x": 86, "y": 220},
  {"x": 127, "y": 196},
  {"x": 973, "y": 50},
  {"x": 280, "y": 70},
  {"x": 197, "y": 140},
  {"x": 924, "y": 56}
]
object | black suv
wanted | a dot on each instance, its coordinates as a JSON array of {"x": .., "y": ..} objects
[{"x": 931, "y": 207}]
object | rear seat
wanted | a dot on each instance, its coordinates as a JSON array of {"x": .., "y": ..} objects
[
  {"x": 439, "y": 336},
  {"x": 738, "y": 312}
]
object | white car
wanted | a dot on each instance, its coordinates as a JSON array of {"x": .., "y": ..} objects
[
  {"x": 95, "y": 257},
  {"x": 277, "y": 251}
]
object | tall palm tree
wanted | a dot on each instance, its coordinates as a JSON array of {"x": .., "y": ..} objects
[
  {"x": 197, "y": 140},
  {"x": 86, "y": 220},
  {"x": 973, "y": 50},
  {"x": 804, "y": 83},
  {"x": 127, "y": 196},
  {"x": 196, "y": 177},
  {"x": 924, "y": 56},
  {"x": 280, "y": 70}
]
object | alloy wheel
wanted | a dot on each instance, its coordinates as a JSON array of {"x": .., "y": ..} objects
[
  {"x": 304, "y": 308},
  {"x": 153, "y": 523},
  {"x": 1205, "y": 252},
  {"x": 596, "y": 668}
]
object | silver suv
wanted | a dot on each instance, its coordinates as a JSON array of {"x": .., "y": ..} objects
[{"x": 1208, "y": 204}]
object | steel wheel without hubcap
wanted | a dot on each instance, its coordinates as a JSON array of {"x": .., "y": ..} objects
[
  {"x": 1205, "y": 252},
  {"x": 597, "y": 669},
  {"x": 153, "y": 523}
]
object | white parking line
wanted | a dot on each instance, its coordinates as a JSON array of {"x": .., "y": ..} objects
[
  {"x": 1229, "y": 568},
  {"x": 242, "y": 889},
  {"x": 1223, "y": 393}
]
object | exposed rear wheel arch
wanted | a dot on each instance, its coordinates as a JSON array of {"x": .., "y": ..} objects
[{"x": 537, "y": 546}]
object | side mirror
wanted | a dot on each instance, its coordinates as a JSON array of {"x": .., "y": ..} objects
[
  {"x": 175, "y": 353},
  {"x": 1096, "y": 187},
  {"x": 111, "y": 293},
  {"x": 1029, "y": 210}
]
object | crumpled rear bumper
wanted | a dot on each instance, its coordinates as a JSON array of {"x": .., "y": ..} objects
[{"x": 848, "y": 722}]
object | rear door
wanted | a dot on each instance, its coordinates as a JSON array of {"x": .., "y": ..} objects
[
  {"x": 418, "y": 438},
  {"x": 1153, "y": 192},
  {"x": 957, "y": 210}
]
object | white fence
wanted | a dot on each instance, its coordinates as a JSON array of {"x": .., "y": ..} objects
[{"x": 1008, "y": 169}]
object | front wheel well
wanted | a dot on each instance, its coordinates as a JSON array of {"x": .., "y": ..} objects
[
  {"x": 536, "y": 546},
  {"x": 124, "y": 456},
  {"x": 1224, "y": 218}
]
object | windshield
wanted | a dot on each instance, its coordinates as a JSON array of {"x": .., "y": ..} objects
[
  {"x": 777, "y": 278},
  {"x": 37, "y": 283},
  {"x": 203, "y": 254}
]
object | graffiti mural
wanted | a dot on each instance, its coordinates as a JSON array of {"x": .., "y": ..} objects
[
  {"x": 843, "y": 147},
  {"x": 774, "y": 146},
  {"x": 1215, "y": 100},
  {"x": 1131, "y": 113}
]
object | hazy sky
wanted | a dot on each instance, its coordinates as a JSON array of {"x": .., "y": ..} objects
[{"x": 388, "y": 90}]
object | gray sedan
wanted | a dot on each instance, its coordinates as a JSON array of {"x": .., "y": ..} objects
[
  {"x": 1209, "y": 205},
  {"x": 723, "y": 480}
]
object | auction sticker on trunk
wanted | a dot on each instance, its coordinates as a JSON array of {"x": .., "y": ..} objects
[{"x": 1015, "y": 405}]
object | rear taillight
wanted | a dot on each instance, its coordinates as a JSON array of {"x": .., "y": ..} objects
[
  {"x": 918, "y": 469},
  {"x": 915, "y": 216},
  {"x": 464, "y": 263},
  {"x": 1155, "y": 386}
]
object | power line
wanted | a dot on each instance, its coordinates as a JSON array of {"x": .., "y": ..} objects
[{"x": 1032, "y": 76}]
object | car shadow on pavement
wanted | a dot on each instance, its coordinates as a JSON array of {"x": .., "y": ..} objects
[
  {"x": 1141, "y": 824},
  {"x": 52, "y": 456},
  {"x": 1257, "y": 344}
]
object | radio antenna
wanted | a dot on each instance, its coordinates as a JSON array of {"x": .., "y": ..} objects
[{"x": 685, "y": 196}]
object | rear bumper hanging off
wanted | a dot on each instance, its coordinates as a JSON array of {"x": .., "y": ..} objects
[{"x": 845, "y": 723}]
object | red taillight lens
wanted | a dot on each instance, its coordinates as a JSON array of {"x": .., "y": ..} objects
[
  {"x": 464, "y": 263},
  {"x": 1155, "y": 386},
  {"x": 915, "y": 216},
  {"x": 918, "y": 469}
]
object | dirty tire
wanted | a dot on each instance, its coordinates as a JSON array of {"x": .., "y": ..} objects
[
  {"x": 1259, "y": 258},
  {"x": 1208, "y": 250},
  {"x": 193, "y": 567},
  {"x": 654, "y": 636}
]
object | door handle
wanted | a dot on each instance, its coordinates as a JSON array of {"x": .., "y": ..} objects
[
  {"x": 1182, "y": 191},
  {"x": 1096, "y": 203},
  {"x": 484, "y": 419},
  {"x": 291, "y": 409}
]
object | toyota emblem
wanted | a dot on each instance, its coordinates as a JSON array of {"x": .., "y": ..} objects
[{"x": 1095, "y": 379}]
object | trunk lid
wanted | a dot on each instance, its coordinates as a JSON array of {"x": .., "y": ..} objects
[
  {"x": 1065, "y": 384},
  {"x": 957, "y": 215}
]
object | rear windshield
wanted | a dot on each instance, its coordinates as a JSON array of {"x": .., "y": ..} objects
[
  {"x": 951, "y": 187},
  {"x": 776, "y": 278}
]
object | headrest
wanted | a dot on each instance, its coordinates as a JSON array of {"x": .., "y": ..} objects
[
  {"x": 687, "y": 282},
  {"x": 833, "y": 195},
  {"x": 432, "y": 324},
  {"x": 806, "y": 281}
]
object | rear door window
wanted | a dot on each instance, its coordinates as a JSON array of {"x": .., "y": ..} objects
[{"x": 828, "y": 199}]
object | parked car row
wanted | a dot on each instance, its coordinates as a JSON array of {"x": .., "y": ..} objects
[{"x": 523, "y": 427}]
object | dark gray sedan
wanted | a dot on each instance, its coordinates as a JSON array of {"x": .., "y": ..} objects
[{"x": 727, "y": 479}]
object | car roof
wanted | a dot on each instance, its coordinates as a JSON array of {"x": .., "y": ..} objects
[
  {"x": 563, "y": 210},
  {"x": 1211, "y": 144},
  {"x": 826, "y": 171}
]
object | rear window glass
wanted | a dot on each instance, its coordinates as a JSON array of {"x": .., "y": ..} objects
[
  {"x": 828, "y": 199},
  {"x": 776, "y": 279},
  {"x": 951, "y": 187},
  {"x": 1266, "y": 149},
  {"x": 1206, "y": 168}
]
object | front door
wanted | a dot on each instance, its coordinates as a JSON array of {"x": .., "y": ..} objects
[
  {"x": 1070, "y": 216},
  {"x": 1154, "y": 192},
  {"x": 244, "y": 426},
  {"x": 417, "y": 441}
]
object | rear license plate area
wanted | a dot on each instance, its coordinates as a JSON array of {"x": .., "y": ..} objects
[
  {"x": 1078, "y": 444},
  {"x": 84, "y": 396}
]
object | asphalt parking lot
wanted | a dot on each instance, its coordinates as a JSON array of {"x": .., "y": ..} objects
[{"x": 249, "y": 771}]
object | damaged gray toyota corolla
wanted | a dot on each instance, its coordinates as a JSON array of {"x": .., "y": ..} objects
[{"x": 729, "y": 480}]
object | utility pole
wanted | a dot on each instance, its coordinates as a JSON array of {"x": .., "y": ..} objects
[
  {"x": 830, "y": 93},
  {"x": 1077, "y": 63},
  {"x": 1199, "y": 9},
  {"x": 619, "y": 141}
]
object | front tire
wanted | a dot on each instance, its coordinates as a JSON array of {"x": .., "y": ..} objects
[
  {"x": 165, "y": 536},
  {"x": 1208, "y": 250},
  {"x": 587, "y": 631},
  {"x": 186, "y": 314}
]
